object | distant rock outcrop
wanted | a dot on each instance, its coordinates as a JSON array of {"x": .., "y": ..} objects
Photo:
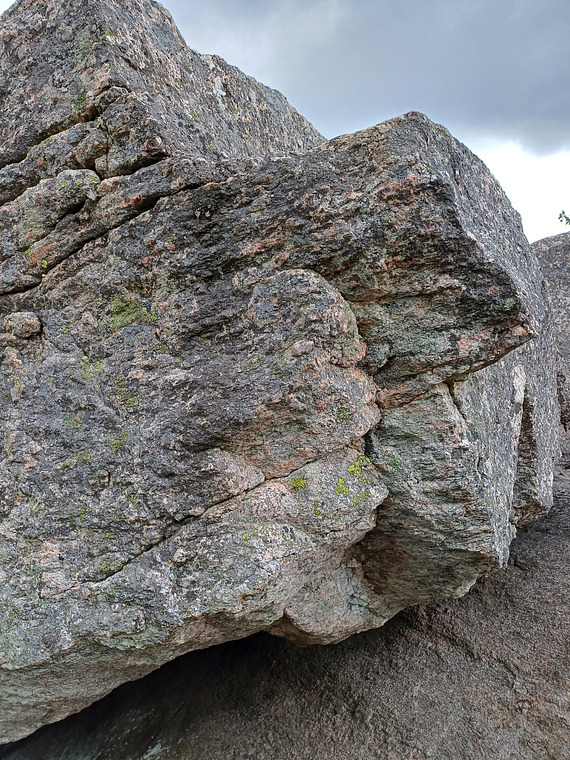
[{"x": 250, "y": 380}]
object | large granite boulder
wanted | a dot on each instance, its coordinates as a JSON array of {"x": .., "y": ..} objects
[
  {"x": 486, "y": 676},
  {"x": 250, "y": 380}
]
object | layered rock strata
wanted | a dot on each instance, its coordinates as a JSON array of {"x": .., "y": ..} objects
[{"x": 250, "y": 380}]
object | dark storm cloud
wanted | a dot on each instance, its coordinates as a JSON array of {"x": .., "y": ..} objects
[{"x": 485, "y": 68}]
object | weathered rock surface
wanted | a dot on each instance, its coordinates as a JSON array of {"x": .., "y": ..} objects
[
  {"x": 112, "y": 86},
  {"x": 241, "y": 389},
  {"x": 484, "y": 677},
  {"x": 478, "y": 678},
  {"x": 554, "y": 256}
]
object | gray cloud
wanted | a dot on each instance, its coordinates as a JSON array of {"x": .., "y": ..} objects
[{"x": 487, "y": 69}]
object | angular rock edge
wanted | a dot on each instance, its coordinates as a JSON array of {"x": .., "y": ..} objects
[{"x": 243, "y": 389}]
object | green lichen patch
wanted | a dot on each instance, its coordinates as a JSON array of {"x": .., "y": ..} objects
[
  {"x": 80, "y": 102},
  {"x": 91, "y": 369},
  {"x": 282, "y": 373},
  {"x": 129, "y": 398},
  {"x": 356, "y": 470},
  {"x": 119, "y": 442},
  {"x": 16, "y": 384},
  {"x": 341, "y": 487},
  {"x": 164, "y": 286},
  {"x": 253, "y": 364},
  {"x": 106, "y": 567},
  {"x": 135, "y": 502},
  {"x": 79, "y": 513},
  {"x": 298, "y": 484},
  {"x": 84, "y": 44},
  {"x": 360, "y": 498},
  {"x": 72, "y": 422},
  {"x": 342, "y": 416},
  {"x": 83, "y": 457},
  {"x": 263, "y": 530},
  {"x": 124, "y": 312}
]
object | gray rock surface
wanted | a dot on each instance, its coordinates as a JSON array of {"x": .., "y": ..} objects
[
  {"x": 553, "y": 254},
  {"x": 485, "y": 677},
  {"x": 243, "y": 388},
  {"x": 111, "y": 86}
]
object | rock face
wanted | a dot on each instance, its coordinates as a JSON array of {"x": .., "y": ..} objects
[
  {"x": 115, "y": 87},
  {"x": 250, "y": 380},
  {"x": 554, "y": 256},
  {"x": 478, "y": 678},
  {"x": 484, "y": 677}
]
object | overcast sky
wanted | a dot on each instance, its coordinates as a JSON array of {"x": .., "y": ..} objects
[{"x": 495, "y": 72}]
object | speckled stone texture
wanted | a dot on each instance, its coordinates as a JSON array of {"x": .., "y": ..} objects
[
  {"x": 553, "y": 254},
  {"x": 486, "y": 677},
  {"x": 115, "y": 87},
  {"x": 249, "y": 380}
]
